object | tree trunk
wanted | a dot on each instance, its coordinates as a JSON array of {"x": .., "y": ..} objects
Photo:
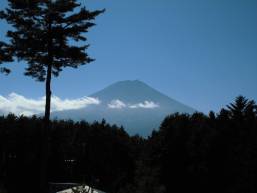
[
  {"x": 44, "y": 133},
  {"x": 48, "y": 94},
  {"x": 46, "y": 127}
]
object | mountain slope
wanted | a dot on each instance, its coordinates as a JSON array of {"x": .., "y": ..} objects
[{"x": 133, "y": 104}]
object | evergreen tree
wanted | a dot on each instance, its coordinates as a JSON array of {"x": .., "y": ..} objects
[
  {"x": 42, "y": 35},
  {"x": 242, "y": 108}
]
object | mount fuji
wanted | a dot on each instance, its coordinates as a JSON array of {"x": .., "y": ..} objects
[{"x": 133, "y": 104}]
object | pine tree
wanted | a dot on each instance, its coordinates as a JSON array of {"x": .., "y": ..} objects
[
  {"x": 242, "y": 108},
  {"x": 47, "y": 34}
]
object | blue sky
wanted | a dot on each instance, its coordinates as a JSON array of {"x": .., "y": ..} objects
[{"x": 202, "y": 52}]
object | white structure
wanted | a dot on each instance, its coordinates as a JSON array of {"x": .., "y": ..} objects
[{"x": 81, "y": 189}]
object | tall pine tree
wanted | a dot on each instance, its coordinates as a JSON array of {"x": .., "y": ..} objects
[{"x": 43, "y": 35}]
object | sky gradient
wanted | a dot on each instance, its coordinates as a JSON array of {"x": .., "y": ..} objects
[{"x": 202, "y": 53}]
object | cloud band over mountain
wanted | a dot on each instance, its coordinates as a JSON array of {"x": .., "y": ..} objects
[{"x": 20, "y": 105}]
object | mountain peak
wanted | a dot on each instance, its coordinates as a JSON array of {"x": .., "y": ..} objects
[
  {"x": 129, "y": 83},
  {"x": 128, "y": 90},
  {"x": 131, "y": 103}
]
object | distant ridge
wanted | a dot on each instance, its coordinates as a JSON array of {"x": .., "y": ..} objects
[{"x": 130, "y": 103}]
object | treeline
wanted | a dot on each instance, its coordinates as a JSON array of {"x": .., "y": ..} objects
[
  {"x": 212, "y": 153},
  {"x": 97, "y": 154}
]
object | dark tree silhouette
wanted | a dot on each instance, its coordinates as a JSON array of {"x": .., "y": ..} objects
[
  {"x": 189, "y": 153},
  {"x": 242, "y": 108},
  {"x": 43, "y": 34},
  {"x": 5, "y": 56}
]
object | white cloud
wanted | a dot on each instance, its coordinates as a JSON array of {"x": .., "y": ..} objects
[
  {"x": 117, "y": 104},
  {"x": 19, "y": 104},
  {"x": 145, "y": 105},
  {"x": 66, "y": 104}
]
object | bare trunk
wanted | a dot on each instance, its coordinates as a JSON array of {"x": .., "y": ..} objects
[
  {"x": 44, "y": 134},
  {"x": 48, "y": 94}
]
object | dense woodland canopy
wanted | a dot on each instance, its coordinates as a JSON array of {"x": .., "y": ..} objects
[{"x": 215, "y": 153}]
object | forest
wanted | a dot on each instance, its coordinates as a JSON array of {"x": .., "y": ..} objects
[{"x": 212, "y": 153}]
